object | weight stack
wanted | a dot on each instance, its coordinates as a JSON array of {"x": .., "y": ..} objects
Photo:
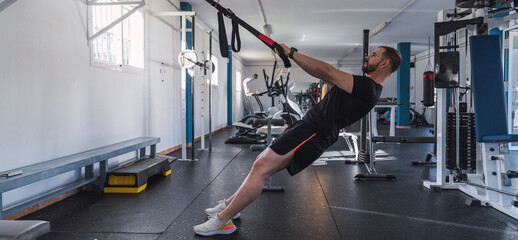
[
  {"x": 472, "y": 141},
  {"x": 468, "y": 142},
  {"x": 451, "y": 141}
]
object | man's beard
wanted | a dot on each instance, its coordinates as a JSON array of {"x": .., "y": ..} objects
[{"x": 370, "y": 68}]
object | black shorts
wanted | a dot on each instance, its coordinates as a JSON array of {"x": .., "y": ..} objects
[{"x": 302, "y": 138}]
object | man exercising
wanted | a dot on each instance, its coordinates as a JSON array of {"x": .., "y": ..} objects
[{"x": 351, "y": 98}]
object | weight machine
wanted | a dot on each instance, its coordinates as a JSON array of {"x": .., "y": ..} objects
[{"x": 472, "y": 137}]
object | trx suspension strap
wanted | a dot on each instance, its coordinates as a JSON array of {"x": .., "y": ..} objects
[{"x": 235, "y": 34}]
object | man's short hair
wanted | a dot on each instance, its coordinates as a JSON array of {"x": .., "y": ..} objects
[{"x": 393, "y": 56}]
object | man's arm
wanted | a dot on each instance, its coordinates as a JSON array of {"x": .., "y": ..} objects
[{"x": 323, "y": 70}]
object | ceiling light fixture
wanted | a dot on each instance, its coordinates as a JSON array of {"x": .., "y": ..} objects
[
  {"x": 267, "y": 27},
  {"x": 386, "y": 23},
  {"x": 379, "y": 28}
]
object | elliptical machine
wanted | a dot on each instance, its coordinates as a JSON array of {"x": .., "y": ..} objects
[
  {"x": 291, "y": 111},
  {"x": 248, "y": 126}
]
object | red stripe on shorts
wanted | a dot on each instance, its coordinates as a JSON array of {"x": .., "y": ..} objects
[{"x": 295, "y": 149}]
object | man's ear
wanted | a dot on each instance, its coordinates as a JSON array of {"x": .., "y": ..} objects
[{"x": 385, "y": 63}]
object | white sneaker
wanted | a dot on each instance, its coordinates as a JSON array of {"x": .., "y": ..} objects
[
  {"x": 213, "y": 212},
  {"x": 214, "y": 227}
]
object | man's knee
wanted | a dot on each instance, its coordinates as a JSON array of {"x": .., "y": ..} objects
[
  {"x": 269, "y": 162},
  {"x": 261, "y": 165}
]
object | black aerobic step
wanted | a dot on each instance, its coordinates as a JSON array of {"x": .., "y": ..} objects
[{"x": 132, "y": 178}]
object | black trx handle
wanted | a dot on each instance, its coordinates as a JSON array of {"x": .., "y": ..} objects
[
  {"x": 236, "y": 39},
  {"x": 223, "y": 43},
  {"x": 236, "y": 20},
  {"x": 281, "y": 53}
]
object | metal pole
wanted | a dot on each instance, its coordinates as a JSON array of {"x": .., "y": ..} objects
[
  {"x": 183, "y": 93},
  {"x": 202, "y": 92},
  {"x": 371, "y": 168},
  {"x": 364, "y": 119},
  {"x": 193, "y": 31},
  {"x": 210, "y": 92},
  {"x": 456, "y": 95},
  {"x": 492, "y": 189}
]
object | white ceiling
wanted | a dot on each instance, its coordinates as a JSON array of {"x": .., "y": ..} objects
[{"x": 328, "y": 29}]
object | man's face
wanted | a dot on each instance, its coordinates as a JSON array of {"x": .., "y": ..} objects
[{"x": 373, "y": 61}]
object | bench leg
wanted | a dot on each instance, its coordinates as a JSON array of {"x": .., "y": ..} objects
[
  {"x": 142, "y": 152},
  {"x": 103, "y": 170},
  {"x": 89, "y": 173},
  {"x": 153, "y": 151}
]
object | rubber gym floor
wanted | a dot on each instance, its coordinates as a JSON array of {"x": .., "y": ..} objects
[{"x": 321, "y": 202}]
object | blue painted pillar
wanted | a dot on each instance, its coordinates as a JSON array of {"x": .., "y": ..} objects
[
  {"x": 188, "y": 85},
  {"x": 229, "y": 86},
  {"x": 403, "y": 86}
]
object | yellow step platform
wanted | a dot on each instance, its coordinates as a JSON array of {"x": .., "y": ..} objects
[{"x": 132, "y": 178}]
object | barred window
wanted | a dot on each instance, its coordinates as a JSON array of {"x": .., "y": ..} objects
[{"x": 123, "y": 44}]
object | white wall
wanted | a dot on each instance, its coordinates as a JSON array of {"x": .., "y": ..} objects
[
  {"x": 164, "y": 82},
  {"x": 54, "y": 103},
  {"x": 238, "y": 94}
]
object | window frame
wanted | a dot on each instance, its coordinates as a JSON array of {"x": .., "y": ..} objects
[{"x": 121, "y": 67}]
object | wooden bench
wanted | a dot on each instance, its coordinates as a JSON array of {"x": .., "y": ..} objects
[{"x": 44, "y": 170}]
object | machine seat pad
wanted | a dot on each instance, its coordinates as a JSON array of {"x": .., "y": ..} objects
[{"x": 23, "y": 229}]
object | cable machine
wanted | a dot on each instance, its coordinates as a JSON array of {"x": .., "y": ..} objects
[{"x": 473, "y": 160}]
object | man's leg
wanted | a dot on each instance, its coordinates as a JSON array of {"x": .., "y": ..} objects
[
  {"x": 229, "y": 199},
  {"x": 266, "y": 164}
]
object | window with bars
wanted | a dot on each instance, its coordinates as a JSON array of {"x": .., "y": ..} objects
[{"x": 123, "y": 44}]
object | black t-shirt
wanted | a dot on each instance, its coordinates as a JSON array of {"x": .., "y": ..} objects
[{"x": 340, "y": 109}]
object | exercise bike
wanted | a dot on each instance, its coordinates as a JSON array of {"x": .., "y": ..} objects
[{"x": 417, "y": 118}]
